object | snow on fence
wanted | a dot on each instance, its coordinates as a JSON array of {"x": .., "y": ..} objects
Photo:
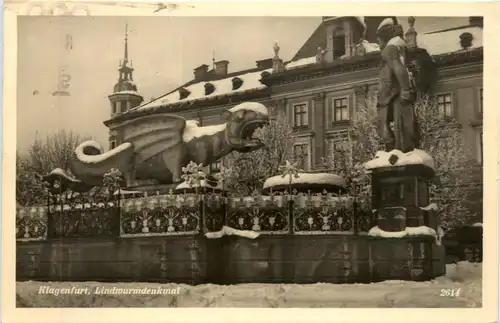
[{"x": 189, "y": 214}]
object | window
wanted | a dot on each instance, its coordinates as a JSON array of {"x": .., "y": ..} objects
[
  {"x": 215, "y": 167},
  {"x": 112, "y": 144},
  {"x": 340, "y": 153},
  {"x": 445, "y": 106},
  {"x": 301, "y": 155},
  {"x": 300, "y": 115},
  {"x": 340, "y": 109},
  {"x": 338, "y": 43},
  {"x": 481, "y": 101}
]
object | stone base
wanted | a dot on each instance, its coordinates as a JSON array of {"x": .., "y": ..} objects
[{"x": 231, "y": 259}]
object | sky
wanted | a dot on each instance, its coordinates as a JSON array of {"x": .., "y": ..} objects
[{"x": 164, "y": 51}]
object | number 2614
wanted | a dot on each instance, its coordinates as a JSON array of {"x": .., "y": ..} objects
[{"x": 450, "y": 292}]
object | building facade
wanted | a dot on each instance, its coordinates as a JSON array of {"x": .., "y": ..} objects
[{"x": 319, "y": 90}]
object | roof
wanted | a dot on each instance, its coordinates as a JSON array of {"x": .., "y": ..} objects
[
  {"x": 222, "y": 87},
  {"x": 436, "y": 43}
]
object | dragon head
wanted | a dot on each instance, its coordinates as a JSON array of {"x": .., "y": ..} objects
[{"x": 242, "y": 121}]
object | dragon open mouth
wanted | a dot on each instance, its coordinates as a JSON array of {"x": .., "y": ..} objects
[{"x": 250, "y": 130}]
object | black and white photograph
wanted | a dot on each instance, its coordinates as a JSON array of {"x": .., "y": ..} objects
[{"x": 168, "y": 160}]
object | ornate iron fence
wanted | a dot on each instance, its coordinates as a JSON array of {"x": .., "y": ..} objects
[{"x": 190, "y": 214}]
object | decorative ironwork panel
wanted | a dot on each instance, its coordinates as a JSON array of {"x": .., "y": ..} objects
[
  {"x": 87, "y": 221},
  {"x": 263, "y": 214},
  {"x": 161, "y": 215},
  {"x": 214, "y": 208},
  {"x": 31, "y": 223},
  {"x": 318, "y": 214}
]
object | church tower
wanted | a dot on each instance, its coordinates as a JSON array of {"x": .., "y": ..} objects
[{"x": 125, "y": 95}]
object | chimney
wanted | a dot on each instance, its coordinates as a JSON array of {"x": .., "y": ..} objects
[
  {"x": 221, "y": 68},
  {"x": 476, "y": 21},
  {"x": 201, "y": 73},
  {"x": 372, "y": 24},
  {"x": 264, "y": 64}
]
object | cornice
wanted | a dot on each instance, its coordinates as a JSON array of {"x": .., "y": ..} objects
[{"x": 360, "y": 63}]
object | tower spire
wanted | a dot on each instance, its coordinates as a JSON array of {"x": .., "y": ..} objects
[{"x": 125, "y": 58}]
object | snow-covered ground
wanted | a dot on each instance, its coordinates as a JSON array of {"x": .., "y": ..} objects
[{"x": 464, "y": 276}]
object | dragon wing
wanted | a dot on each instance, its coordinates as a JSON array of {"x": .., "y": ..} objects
[{"x": 153, "y": 134}]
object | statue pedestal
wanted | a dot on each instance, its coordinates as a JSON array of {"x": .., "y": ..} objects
[{"x": 400, "y": 198}]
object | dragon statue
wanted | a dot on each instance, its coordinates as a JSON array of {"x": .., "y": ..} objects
[{"x": 158, "y": 146}]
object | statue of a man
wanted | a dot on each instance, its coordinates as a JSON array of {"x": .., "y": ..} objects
[{"x": 397, "y": 124}]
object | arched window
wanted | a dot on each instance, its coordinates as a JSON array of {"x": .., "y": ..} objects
[{"x": 339, "y": 42}]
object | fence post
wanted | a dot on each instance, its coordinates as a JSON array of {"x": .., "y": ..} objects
[
  {"x": 290, "y": 215},
  {"x": 201, "y": 210},
  {"x": 355, "y": 217}
]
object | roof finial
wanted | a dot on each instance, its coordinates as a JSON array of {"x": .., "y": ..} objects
[{"x": 213, "y": 58}]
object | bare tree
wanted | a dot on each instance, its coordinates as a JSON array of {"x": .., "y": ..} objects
[
  {"x": 250, "y": 170},
  {"x": 440, "y": 137},
  {"x": 56, "y": 151}
]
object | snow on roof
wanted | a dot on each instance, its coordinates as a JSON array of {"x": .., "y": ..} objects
[
  {"x": 306, "y": 178},
  {"x": 60, "y": 172},
  {"x": 301, "y": 62},
  {"x": 449, "y": 41},
  {"x": 361, "y": 19},
  {"x": 251, "y": 106},
  {"x": 128, "y": 92},
  {"x": 193, "y": 130},
  {"x": 91, "y": 159},
  {"x": 251, "y": 82},
  {"x": 414, "y": 157}
]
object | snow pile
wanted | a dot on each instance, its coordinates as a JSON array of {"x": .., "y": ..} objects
[
  {"x": 463, "y": 276},
  {"x": 438, "y": 43},
  {"x": 409, "y": 231},
  {"x": 193, "y": 130},
  {"x": 370, "y": 47},
  {"x": 414, "y": 157},
  {"x": 251, "y": 82},
  {"x": 203, "y": 183},
  {"x": 62, "y": 173},
  {"x": 306, "y": 178},
  {"x": 432, "y": 206},
  {"x": 91, "y": 159},
  {"x": 228, "y": 231}
]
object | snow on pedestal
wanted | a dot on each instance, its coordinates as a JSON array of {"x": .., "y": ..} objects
[
  {"x": 409, "y": 231},
  {"x": 306, "y": 178},
  {"x": 228, "y": 231},
  {"x": 414, "y": 157}
]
